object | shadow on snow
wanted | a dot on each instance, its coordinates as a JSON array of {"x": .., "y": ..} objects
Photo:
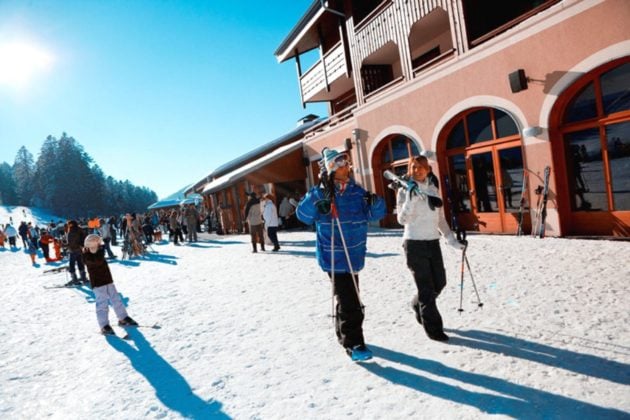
[
  {"x": 171, "y": 388},
  {"x": 581, "y": 363},
  {"x": 517, "y": 401}
]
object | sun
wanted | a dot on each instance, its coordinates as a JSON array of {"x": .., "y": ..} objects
[{"x": 21, "y": 62}]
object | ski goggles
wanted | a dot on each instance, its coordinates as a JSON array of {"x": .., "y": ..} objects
[{"x": 341, "y": 161}]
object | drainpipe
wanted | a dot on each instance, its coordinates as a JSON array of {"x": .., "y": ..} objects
[{"x": 326, "y": 8}]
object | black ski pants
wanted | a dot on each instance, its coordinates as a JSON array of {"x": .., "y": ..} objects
[
  {"x": 349, "y": 315},
  {"x": 424, "y": 259}
]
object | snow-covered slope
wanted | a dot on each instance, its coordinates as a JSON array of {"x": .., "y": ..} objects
[
  {"x": 17, "y": 214},
  {"x": 250, "y": 336}
]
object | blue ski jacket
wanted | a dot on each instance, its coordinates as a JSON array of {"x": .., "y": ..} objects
[{"x": 354, "y": 213}]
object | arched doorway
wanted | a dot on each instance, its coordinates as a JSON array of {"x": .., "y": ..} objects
[
  {"x": 590, "y": 135},
  {"x": 392, "y": 154},
  {"x": 480, "y": 152}
]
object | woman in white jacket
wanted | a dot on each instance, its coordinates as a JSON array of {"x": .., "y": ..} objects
[
  {"x": 270, "y": 216},
  {"x": 424, "y": 222}
]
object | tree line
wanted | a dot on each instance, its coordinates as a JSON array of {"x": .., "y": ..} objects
[{"x": 67, "y": 181}]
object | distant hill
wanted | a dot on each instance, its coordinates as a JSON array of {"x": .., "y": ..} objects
[{"x": 17, "y": 214}]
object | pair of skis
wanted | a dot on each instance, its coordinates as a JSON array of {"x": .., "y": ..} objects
[{"x": 538, "y": 228}]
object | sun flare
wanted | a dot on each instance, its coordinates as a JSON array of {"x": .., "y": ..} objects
[{"x": 22, "y": 62}]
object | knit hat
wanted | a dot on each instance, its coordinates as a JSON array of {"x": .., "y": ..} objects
[
  {"x": 92, "y": 240},
  {"x": 330, "y": 157}
]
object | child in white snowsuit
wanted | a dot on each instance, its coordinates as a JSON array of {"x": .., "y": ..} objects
[{"x": 102, "y": 284}]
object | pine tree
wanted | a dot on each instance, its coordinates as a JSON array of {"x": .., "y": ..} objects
[
  {"x": 8, "y": 196},
  {"x": 23, "y": 172}
]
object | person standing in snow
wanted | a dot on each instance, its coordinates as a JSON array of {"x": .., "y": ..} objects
[
  {"x": 253, "y": 215},
  {"x": 424, "y": 222},
  {"x": 23, "y": 231},
  {"x": 285, "y": 211},
  {"x": 11, "y": 234},
  {"x": 106, "y": 234},
  {"x": 192, "y": 218},
  {"x": 270, "y": 215},
  {"x": 102, "y": 284},
  {"x": 75, "y": 238},
  {"x": 355, "y": 207}
]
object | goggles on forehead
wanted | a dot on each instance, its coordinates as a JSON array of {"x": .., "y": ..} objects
[{"x": 341, "y": 160}]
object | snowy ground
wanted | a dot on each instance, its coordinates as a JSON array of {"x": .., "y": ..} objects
[{"x": 249, "y": 336}]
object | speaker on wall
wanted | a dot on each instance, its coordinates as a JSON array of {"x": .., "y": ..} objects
[{"x": 518, "y": 80}]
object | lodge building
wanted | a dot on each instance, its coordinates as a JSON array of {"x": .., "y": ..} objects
[{"x": 492, "y": 91}]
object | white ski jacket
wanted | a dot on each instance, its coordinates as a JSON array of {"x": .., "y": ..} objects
[{"x": 420, "y": 222}]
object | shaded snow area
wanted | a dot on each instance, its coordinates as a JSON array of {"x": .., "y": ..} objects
[{"x": 250, "y": 336}]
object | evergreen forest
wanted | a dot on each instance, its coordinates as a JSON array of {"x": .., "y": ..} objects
[{"x": 67, "y": 181}]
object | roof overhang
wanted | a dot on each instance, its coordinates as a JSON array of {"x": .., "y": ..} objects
[
  {"x": 303, "y": 37},
  {"x": 231, "y": 177}
]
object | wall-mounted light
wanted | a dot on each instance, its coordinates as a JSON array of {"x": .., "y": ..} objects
[
  {"x": 532, "y": 131},
  {"x": 518, "y": 80}
]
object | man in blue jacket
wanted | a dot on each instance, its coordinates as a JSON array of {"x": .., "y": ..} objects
[{"x": 338, "y": 200}]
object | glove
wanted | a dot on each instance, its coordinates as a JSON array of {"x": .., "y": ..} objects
[
  {"x": 412, "y": 187},
  {"x": 370, "y": 198},
  {"x": 453, "y": 242},
  {"x": 323, "y": 206},
  {"x": 434, "y": 202}
]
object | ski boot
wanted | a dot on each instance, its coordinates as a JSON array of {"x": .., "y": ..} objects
[
  {"x": 359, "y": 353},
  {"x": 127, "y": 322},
  {"x": 107, "y": 330}
]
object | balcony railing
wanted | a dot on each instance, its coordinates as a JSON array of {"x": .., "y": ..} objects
[{"x": 315, "y": 79}]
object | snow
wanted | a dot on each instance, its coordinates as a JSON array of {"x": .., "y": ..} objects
[{"x": 250, "y": 335}]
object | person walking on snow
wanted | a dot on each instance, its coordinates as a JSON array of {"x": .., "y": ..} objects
[
  {"x": 253, "y": 215},
  {"x": 75, "y": 238},
  {"x": 424, "y": 222},
  {"x": 270, "y": 215},
  {"x": 102, "y": 284},
  {"x": 355, "y": 207}
]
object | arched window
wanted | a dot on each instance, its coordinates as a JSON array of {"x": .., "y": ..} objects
[
  {"x": 595, "y": 140},
  {"x": 392, "y": 154},
  {"x": 481, "y": 162}
]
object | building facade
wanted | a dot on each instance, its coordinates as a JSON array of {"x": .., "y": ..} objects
[{"x": 493, "y": 92}]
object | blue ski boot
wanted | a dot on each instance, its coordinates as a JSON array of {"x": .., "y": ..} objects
[{"x": 359, "y": 353}]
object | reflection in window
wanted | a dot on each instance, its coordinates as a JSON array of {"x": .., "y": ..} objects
[
  {"x": 585, "y": 171},
  {"x": 483, "y": 175},
  {"x": 582, "y": 107},
  {"x": 511, "y": 161},
  {"x": 505, "y": 124},
  {"x": 618, "y": 136},
  {"x": 616, "y": 89},
  {"x": 479, "y": 126},
  {"x": 399, "y": 148},
  {"x": 459, "y": 184},
  {"x": 457, "y": 137}
]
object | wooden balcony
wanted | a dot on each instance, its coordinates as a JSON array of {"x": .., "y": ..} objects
[{"x": 326, "y": 79}]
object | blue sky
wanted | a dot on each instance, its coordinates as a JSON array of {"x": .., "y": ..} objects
[{"x": 159, "y": 92}]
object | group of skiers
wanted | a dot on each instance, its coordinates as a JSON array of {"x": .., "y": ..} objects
[{"x": 341, "y": 210}]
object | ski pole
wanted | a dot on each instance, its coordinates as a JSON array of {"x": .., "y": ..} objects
[
  {"x": 479, "y": 303},
  {"x": 332, "y": 263},
  {"x": 335, "y": 216},
  {"x": 462, "y": 235}
]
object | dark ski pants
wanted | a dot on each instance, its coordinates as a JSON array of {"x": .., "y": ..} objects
[
  {"x": 424, "y": 259},
  {"x": 76, "y": 259},
  {"x": 272, "y": 232},
  {"x": 348, "y": 316}
]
